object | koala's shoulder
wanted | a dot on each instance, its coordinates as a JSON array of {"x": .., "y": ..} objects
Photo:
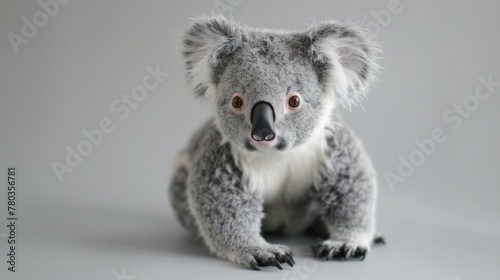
[{"x": 343, "y": 144}]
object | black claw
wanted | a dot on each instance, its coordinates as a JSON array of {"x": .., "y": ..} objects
[
  {"x": 323, "y": 251},
  {"x": 363, "y": 255},
  {"x": 379, "y": 240},
  {"x": 341, "y": 253},
  {"x": 290, "y": 257},
  {"x": 254, "y": 265},
  {"x": 348, "y": 253},
  {"x": 286, "y": 259},
  {"x": 332, "y": 254},
  {"x": 360, "y": 253},
  {"x": 276, "y": 263},
  {"x": 270, "y": 262}
]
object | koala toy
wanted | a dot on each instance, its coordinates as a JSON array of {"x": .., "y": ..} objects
[{"x": 276, "y": 157}]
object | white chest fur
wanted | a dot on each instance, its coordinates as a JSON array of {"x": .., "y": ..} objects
[{"x": 284, "y": 175}]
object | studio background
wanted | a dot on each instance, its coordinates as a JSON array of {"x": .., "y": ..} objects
[{"x": 110, "y": 216}]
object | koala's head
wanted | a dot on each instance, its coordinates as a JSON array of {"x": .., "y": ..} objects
[{"x": 273, "y": 89}]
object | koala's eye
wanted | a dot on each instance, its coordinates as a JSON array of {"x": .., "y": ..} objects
[
  {"x": 238, "y": 103},
  {"x": 293, "y": 102}
]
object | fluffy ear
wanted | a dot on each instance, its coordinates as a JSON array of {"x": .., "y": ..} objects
[
  {"x": 207, "y": 47},
  {"x": 345, "y": 58}
]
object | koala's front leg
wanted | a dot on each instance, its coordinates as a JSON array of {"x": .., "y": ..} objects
[
  {"x": 347, "y": 196},
  {"x": 229, "y": 216}
]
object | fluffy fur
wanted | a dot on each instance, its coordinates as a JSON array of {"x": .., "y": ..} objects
[{"x": 318, "y": 179}]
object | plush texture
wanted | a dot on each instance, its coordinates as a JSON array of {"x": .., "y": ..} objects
[{"x": 226, "y": 189}]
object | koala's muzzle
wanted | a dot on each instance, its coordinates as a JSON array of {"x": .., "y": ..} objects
[{"x": 263, "y": 122}]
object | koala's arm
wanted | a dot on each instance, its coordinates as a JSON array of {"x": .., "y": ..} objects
[
  {"x": 347, "y": 193},
  {"x": 228, "y": 215}
]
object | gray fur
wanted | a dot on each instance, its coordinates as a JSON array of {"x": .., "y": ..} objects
[{"x": 213, "y": 190}]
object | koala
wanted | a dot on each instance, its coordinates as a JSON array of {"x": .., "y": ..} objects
[{"x": 276, "y": 157}]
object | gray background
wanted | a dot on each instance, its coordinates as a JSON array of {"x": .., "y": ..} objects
[{"x": 111, "y": 212}]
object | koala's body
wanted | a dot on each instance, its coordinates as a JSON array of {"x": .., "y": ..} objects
[{"x": 277, "y": 158}]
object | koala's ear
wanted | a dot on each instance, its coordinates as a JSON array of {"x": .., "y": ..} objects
[
  {"x": 345, "y": 58},
  {"x": 207, "y": 47}
]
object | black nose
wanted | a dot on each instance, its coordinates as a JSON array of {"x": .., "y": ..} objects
[{"x": 263, "y": 122}]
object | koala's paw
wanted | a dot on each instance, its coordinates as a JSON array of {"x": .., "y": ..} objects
[
  {"x": 339, "y": 250},
  {"x": 267, "y": 255}
]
